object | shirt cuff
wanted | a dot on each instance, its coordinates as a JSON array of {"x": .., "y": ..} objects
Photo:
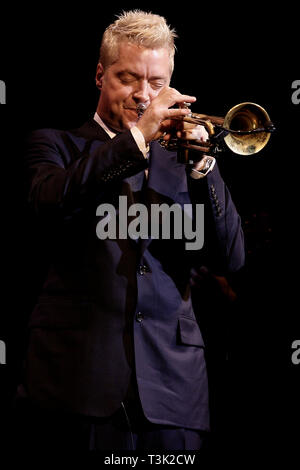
[{"x": 140, "y": 141}]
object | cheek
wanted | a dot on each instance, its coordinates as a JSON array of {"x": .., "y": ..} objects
[
  {"x": 119, "y": 98},
  {"x": 110, "y": 91},
  {"x": 154, "y": 93},
  {"x": 117, "y": 92}
]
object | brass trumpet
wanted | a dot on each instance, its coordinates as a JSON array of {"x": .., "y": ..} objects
[{"x": 245, "y": 130}]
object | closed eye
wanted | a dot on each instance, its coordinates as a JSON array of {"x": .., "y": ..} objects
[
  {"x": 156, "y": 84},
  {"x": 129, "y": 77},
  {"x": 126, "y": 77}
]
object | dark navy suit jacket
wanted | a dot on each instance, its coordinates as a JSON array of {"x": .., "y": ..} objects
[{"x": 100, "y": 317}]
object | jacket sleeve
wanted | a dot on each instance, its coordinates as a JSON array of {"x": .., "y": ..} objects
[
  {"x": 61, "y": 180},
  {"x": 223, "y": 251}
]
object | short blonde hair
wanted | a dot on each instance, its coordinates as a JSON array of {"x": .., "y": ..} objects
[{"x": 138, "y": 27}]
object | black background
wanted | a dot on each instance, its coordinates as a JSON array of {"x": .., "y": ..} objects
[{"x": 225, "y": 56}]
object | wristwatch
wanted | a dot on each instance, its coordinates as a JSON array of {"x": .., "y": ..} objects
[{"x": 208, "y": 165}]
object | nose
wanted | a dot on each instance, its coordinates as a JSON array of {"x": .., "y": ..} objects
[{"x": 141, "y": 93}]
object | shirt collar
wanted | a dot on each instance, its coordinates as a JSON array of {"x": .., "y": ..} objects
[{"x": 104, "y": 126}]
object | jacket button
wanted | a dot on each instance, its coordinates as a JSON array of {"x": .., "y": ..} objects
[
  {"x": 142, "y": 269},
  {"x": 139, "y": 317}
]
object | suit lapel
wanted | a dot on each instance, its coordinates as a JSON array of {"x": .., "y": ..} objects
[
  {"x": 167, "y": 177},
  {"x": 91, "y": 130}
]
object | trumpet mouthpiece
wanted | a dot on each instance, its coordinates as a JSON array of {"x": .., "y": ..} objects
[{"x": 140, "y": 109}]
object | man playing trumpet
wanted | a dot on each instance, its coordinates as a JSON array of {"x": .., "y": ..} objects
[{"x": 115, "y": 357}]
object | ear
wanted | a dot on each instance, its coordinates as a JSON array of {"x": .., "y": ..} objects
[{"x": 99, "y": 75}]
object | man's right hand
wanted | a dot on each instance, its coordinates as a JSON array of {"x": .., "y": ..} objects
[{"x": 157, "y": 119}]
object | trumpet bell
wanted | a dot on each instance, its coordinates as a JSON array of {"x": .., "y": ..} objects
[{"x": 251, "y": 123}]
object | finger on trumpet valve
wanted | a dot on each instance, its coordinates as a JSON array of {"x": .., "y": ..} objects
[
  {"x": 193, "y": 132},
  {"x": 186, "y": 105}
]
